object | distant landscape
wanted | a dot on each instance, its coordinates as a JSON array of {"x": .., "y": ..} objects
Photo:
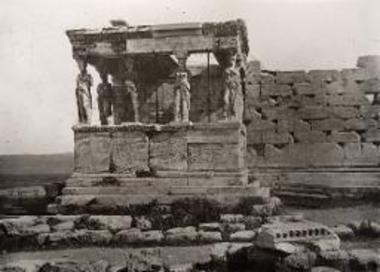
[{"x": 28, "y": 170}]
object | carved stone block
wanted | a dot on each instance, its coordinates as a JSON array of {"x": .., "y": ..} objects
[
  {"x": 92, "y": 152},
  {"x": 344, "y": 112},
  {"x": 130, "y": 152},
  {"x": 327, "y": 124},
  {"x": 313, "y": 113},
  {"x": 276, "y": 90},
  {"x": 344, "y": 137},
  {"x": 290, "y": 77},
  {"x": 168, "y": 151},
  {"x": 310, "y": 136},
  {"x": 215, "y": 157},
  {"x": 323, "y": 75},
  {"x": 360, "y": 124}
]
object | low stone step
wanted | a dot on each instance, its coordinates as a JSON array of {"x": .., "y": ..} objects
[
  {"x": 150, "y": 181},
  {"x": 301, "y": 189},
  {"x": 303, "y": 199},
  {"x": 302, "y": 195},
  {"x": 120, "y": 200},
  {"x": 159, "y": 189}
]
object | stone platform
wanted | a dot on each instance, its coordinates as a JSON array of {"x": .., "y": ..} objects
[{"x": 118, "y": 166}]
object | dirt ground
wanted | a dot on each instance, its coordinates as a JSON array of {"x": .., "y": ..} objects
[
  {"x": 115, "y": 256},
  {"x": 343, "y": 215}
]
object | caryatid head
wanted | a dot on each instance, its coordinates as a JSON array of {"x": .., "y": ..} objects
[
  {"x": 182, "y": 79},
  {"x": 104, "y": 77},
  {"x": 131, "y": 87},
  {"x": 230, "y": 59},
  {"x": 82, "y": 65}
]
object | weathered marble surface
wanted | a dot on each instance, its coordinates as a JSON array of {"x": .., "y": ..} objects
[{"x": 136, "y": 148}]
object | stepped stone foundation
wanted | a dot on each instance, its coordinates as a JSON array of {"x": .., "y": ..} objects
[{"x": 128, "y": 164}]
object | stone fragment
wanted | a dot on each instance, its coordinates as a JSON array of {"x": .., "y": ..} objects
[
  {"x": 370, "y": 62},
  {"x": 327, "y": 124},
  {"x": 372, "y": 135},
  {"x": 210, "y": 236},
  {"x": 181, "y": 235},
  {"x": 343, "y": 112},
  {"x": 100, "y": 266},
  {"x": 59, "y": 238},
  {"x": 243, "y": 236},
  {"x": 188, "y": 267},
  {"x": 152, "y": 236},
  {"x": 128, "y": 236},
  {"x": 290, "y": 77},
  {"x": 38, "y": 229},
  {"x": 363, "y": 154},
  {"x": 302, "y": 261},
  {"x": 343, "y": 231},
  {"x": 233, "y": 227},
  {"x": 253, "y": 67},
  {"x": 336, "y": 258},
  {"x": 210, "y": 226},
  {"x": 65, "y": 266},
  {"x": 310, "y": 136},
  {"x": 363, "y": 259},
  {"x": 266, "y": 78},
  {"x": 304, "y": 88},
  {"x": 63, "y": 226},
  {"x": 261, "y": 125},
  {"x": 22, "y": 266},
  {"x": 274, "y": 90},
  {"x": 355, "y": 226},
  {"x": 336, "y": 88},
  {"x": 114, "y": 223},
  {"x": 347, "y": 99},
  {"x": 344, "y": 137},
  {"x": 21, "y": 226},
  {"x": 355, "y": 74},
  {"x": 276, "y": 138},
  {"x": 252, "y": 222},
  {"x": 232, "y": 218},
  {"x": 97, "y": 237},
  {"x": 292, "y": 125},
  {"x": 220, "y": 251},
  {"x": 326, "y": 244},
  {"x": 371, "y": 86},
  {"x": 143, "y": 223},
  {"x": 360, "y": 124},
  {"x": 323, "y": 269},
  {"x": 313, "y": 113},
  {"x": 324, "y": 75},
  {"x": 278, "y": 113}
]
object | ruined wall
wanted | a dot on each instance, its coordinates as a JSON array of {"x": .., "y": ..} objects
[{"x": 319, "y": 118}]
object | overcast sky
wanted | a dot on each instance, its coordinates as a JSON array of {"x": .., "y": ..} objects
[{"x": 37, "y": 73}]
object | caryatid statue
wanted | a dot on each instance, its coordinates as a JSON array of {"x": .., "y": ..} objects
[
  {"x": 233, "y": 105},
  {"x": 181, "y": 89},
  {"x": 83, "y": 94},
  {"x": 105, "y": 98},
  {"x": 132, "y": 92},
  {"x": 181, "y": 97}
]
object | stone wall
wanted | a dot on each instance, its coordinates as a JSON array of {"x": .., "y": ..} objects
[{"x": 314, "y": 119}]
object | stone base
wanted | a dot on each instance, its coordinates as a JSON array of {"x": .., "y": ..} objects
[{"x": 129, "y": 164}]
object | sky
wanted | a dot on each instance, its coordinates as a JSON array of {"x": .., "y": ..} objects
[{"x": 37, "y": 72}]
